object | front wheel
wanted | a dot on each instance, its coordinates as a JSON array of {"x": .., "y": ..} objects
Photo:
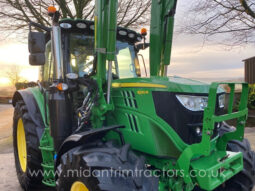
[
  {"x": 245, "y": 180},
  {"x": 27, "y": 154},
  {"x": 103, "y": 167}
]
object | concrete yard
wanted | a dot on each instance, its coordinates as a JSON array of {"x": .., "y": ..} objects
[{"x": 8, "y": 179}]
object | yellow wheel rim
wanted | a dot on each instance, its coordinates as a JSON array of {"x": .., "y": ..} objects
[
  {"x": 22, "y": 147},
  {"x": 79, "y": 186}
]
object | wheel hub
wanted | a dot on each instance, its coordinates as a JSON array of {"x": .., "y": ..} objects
[
  {"x": 79, "y": 186},
  {"x": 21, "y": 144}
]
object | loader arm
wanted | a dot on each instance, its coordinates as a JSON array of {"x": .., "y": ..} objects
[
  {"x": 105, "y": 47},
  {"x": 162, "y": 26}
]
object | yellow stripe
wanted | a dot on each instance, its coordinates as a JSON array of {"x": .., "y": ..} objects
[{"x": 137, "y": 85}]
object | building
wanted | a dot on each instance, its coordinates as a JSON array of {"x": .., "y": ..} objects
[{"x": 249, "y": 70}]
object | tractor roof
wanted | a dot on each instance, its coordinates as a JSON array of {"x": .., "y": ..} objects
[{"x": 87, "y": 27}]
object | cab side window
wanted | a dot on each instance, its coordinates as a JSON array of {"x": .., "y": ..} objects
[
  {"x": 126, "y": 63},
  {"x": 47, "y": 69}
]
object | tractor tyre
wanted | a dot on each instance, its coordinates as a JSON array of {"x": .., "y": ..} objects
[
  {"x": 103, "y": 167},
  {"x": 245, "y": 180},
  {"x": 26, "y": 148}
]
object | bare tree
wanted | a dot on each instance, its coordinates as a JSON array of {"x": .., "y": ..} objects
[
  {"x": 13, "y": 74},
  {"x": 235, "y": 19},
  {"x": 16, "y": 14}
]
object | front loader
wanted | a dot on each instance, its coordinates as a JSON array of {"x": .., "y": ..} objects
[{"x": 93, "y": 122}]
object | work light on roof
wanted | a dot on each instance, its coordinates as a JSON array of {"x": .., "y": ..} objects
[
  {"x": 131, "y": 35},
  {"x": 139, "y": 38},
  {"x": 66, "y": 25},
  {"x": 92, "y": 27},
  {"x": 122, "y": 32},
  {"x": 81, "y": 25}
]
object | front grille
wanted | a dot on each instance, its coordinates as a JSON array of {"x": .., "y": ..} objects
[{"x": 182, "y": 120}]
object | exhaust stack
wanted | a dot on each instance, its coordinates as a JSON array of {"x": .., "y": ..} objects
[{"x": 58, "y": 101}]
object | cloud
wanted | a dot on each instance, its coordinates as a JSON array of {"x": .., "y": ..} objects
[
  {"x": 191, "y": 58},
  {"x": 213, "y": 75},
  {"x": 211, "y": 61}
]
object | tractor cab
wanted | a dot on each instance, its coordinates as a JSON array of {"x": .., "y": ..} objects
[{"x": 80, "y": 57}]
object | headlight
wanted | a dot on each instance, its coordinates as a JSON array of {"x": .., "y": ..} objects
[
  {"x": 222, "y": 101},
  {"x": 193, "y": 103}
]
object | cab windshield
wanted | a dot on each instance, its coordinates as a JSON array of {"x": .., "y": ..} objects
[{"x": 81, "y": 57}]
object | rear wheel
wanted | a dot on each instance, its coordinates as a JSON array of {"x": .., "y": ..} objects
[
  {"x": 26, "y": 148},
  {"x": 103, "y": 167}
]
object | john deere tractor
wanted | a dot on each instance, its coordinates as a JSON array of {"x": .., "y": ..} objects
[{"x": 96, "y": 122}]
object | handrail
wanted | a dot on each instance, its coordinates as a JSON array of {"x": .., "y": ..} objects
[
  {"x": 241, "y": 115},
  {"x": 204, "y": 147}
]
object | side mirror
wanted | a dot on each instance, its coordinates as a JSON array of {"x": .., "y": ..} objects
[
  {"x": 36, "y": 42},
  {"x": 37, "y": 59},
  {"x": 36, "y": 46}
]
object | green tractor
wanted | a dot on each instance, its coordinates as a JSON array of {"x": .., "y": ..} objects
[{"x": 94, "y": 123}]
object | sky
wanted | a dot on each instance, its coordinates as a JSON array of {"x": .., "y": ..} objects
[
  {"x": 189, "y": 58},
  {"x": 15, "y": 53},
  {"x": 210, "y": 62}
]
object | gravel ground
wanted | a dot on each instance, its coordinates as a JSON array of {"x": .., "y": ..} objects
[{"x": 8, "y": 179}]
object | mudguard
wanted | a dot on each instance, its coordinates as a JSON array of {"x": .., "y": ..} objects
[
  {"x": 83, "y": 138},
  {"x": 32, "y": 107}
]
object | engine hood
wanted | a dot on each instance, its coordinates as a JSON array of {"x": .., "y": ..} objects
[{"x": 171, "y": 84}]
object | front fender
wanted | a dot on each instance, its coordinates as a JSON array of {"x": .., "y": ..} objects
[
  {"x": 31, "y": 102},
  {"x": 83, "y": 138}
]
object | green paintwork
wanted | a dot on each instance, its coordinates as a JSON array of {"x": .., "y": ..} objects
[
  {"x": 162, "y": 140},
  {"x": 161, "y": 34},
  {"x": 47, "y": 149},
  {"x": 40, "y": 101},
  {"x": 46, "y": 143},
  {"x": 174, "y": 84},
  {"x": 204, "y": 148},
  {"x": 105, "y": 45},
  {"x": 216, "y": 171},
  {"x": 112, "y": 30}
]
